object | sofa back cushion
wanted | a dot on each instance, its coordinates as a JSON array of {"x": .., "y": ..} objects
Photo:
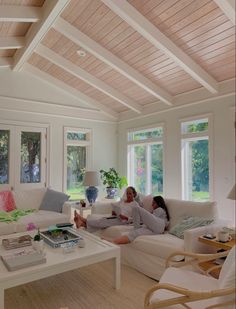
[
  {"x": 179, "y": 209},
  {"x": 29, "y": 199},
  {"x": 53, "y": 200}
]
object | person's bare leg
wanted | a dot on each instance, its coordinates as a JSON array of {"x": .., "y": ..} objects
[
  {"x": 79, "y": 220},
  {"x": 121, "y": 240}
]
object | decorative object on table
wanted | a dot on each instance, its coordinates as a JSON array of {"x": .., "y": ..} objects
[
  {"x": 91, "y": 180},
  {"x": 113, "y": 181},
  {"x": 16, "y": 242},
  {"x": 38, "y": 242},
  {"x": 22, "y": 258},
  {"x": 31, "y": 227},
  {"x": 82, "y": 203},
  {"x": 223, "y": 236},
  {"x": 57, "y": 237}
]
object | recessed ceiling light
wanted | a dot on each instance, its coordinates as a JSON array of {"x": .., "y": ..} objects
[{"x": 81, "y": 53}]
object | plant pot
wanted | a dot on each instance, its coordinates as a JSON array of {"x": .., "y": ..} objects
[{"x": 111, "y": 193}]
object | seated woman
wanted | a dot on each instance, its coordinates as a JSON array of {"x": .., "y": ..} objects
[
  {"x": 154, "y": 222},
  {"x": 122, "y": 212}
]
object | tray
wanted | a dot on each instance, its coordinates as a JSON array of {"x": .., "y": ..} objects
[
  {"x": 57, "y": 237},
  {"x": 16, "y": 242}
]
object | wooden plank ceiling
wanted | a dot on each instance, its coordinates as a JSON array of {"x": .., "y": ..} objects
[{"x": 120, "y": 55}]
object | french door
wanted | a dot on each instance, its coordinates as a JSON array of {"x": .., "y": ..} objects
[{"x": 22, "y": 157}]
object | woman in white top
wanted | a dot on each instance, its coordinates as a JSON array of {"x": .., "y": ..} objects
[
  {"x": 122, "y": 212},
  {"x": 147, "y": 223}
]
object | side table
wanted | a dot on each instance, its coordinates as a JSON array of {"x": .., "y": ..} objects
[
  {"x": 83, "y": 211},
  {"x": 217, "y": 244}
]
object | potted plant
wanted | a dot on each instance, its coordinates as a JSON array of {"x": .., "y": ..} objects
[
  {"x": 38, "y": 242},
  {"x": 112, "y": 180}
]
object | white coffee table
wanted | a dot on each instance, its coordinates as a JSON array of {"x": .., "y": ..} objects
[{"x": 95, "y": 250}]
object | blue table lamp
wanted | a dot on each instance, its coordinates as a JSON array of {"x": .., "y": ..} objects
[{"x": 91, "y": 180}]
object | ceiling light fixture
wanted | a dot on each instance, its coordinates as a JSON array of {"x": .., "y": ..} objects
[{"x": 81, "y": 53}]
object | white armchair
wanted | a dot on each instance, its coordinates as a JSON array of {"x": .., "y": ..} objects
[{"x": 184, "y": 288}]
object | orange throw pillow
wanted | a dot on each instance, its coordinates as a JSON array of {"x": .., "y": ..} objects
[{"x": 7, "y": 202}]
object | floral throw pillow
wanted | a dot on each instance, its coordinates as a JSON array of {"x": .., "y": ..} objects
[{"x": 7, "y": 202}]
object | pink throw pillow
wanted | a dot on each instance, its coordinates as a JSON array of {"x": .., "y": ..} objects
[{"x": 7, "y": 202}]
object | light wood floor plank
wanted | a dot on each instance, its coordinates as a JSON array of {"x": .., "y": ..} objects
[{"x": 88, "y": 287}]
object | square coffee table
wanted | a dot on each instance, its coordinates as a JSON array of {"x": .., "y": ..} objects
[{"x": 95, "y": 250}]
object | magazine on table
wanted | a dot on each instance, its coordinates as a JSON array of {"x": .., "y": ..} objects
[
  {"x": 21, "y": 258},
  {"x": 16, "y": 242}
]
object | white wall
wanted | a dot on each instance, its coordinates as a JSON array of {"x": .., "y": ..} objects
[
  {"x": 223, "y": 116},
  {"x": 29, "y": 111}
]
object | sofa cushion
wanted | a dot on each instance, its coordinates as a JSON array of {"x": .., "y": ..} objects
[
  {"x": 178, "y": 210},
  {"x": 53, "y": 201},
  {"x": 29, "y": 199},
  {"x": 41, "y": 219},
  {"x": 147, "y": 202},
  {"x": 7, "y": 202},
  {"x": 188, "y": 223},
  {"x": 7, "y": 228},
  {"x": 159, "y": 245}
]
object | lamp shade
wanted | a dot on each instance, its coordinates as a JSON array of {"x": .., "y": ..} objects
[
  {"x": 91, "y": 178},
  {"x": 231, "y": 194}
]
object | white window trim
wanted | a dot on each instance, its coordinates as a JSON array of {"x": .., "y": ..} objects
[
  {"x": 16, "y": 127},
  {"x": 148, "y": 142},
  {"x": 199, "y": 136},
  {"x": 87, "y": 143}
]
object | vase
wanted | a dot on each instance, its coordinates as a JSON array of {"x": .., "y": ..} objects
[
  {"x": 91, "y": 194},
  {"x": 38, "y": 245},
  {"x": 111, "y": 193}
]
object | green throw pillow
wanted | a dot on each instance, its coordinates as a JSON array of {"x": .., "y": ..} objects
[{"x": 188, "y": 223}]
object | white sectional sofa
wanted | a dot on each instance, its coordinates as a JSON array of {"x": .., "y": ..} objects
[
  {"x": 31, "y": 199},
  {"x": 147, "y": 254}
]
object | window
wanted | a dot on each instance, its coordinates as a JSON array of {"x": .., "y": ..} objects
[
  {"x": 76, "y": 160},
  {"x": 195, "y": 160},
  {"x": 145, "y": 160},
  {"x": 22, "y": 157}
]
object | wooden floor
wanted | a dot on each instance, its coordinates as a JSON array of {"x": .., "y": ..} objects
[{"x": 89, "y": 287}]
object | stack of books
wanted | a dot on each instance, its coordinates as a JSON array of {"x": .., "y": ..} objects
[{"x": 21, "y": 258}]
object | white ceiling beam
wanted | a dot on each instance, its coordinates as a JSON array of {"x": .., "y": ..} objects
[
  {"x": 87, "y": 77},
  {"x": 139, "y": 23},
  {"x": 5, "y": 62},
  {"x": 106, "y": 56},
  {"x": 14, "y": 42},
  {"x": 228, "y": 8},
  {"x": 74, "y": 92},
  {"x": 16, "y": 13},
  {"x": 51, "y": 10}
]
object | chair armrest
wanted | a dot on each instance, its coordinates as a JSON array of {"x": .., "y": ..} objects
[
  {"x": 102, "y": 208},
  {"x": 185, "y": 296},
  {"x": 191, "y": 243},
  {"x": 193, "y": 258}
]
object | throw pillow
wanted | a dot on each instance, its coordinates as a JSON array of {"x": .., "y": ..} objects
[
  {"x": 53, "y": 201},
  {"x": 7, "y": 202},
  {"x": 188, "y": 223},
  {"x": 147, "y": 202}
]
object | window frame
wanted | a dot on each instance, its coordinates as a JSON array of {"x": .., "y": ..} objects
[
  {"x": 85, "y": 143},
  {"x": 15, "y": 129},
  {"x": 197, "y": 136},
  {"x": 147, "y": 142}
]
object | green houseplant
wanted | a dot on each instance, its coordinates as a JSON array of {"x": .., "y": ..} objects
[{"x": 112, "y": 180}]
